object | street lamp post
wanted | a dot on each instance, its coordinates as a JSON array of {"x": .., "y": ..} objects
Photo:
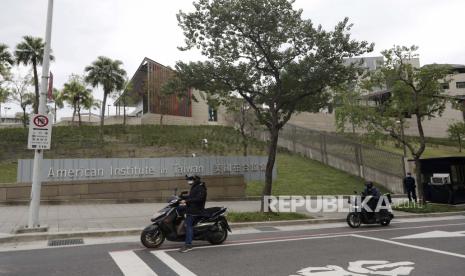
[
  {"x": 33, "y": 220},
  {"x": 108, "y": 110}
]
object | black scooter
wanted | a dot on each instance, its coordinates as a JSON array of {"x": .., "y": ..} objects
[
  {"x": 359, "y": 215},
  {"x": 212, "y": 225}
]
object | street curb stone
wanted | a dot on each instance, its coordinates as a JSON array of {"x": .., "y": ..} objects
[{"x": 29, "y": 237}]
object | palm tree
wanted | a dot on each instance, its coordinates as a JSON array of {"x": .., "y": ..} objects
[
  {"x": 57, "y": 98},
  {"x": 31, "y": 51},
  {"x": 6, "y": 60},
  {"x": 76, "y": 94},
  {"x": 109, "y": 74}
]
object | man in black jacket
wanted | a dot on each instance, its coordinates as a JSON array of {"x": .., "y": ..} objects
[
  {"x": 409, "y": 185},
  {"x": 195, "y": 204}
]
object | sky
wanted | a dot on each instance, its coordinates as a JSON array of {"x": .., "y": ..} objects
[{"x": 130, "y": 30}]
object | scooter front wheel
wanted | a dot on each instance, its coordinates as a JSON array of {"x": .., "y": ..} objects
[
  {"x": 354, "y": 220},
  {"x": 152, "y": 238}
]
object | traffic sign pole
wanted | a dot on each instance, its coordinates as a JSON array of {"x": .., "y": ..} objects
[{"x": 33, "y": 221}]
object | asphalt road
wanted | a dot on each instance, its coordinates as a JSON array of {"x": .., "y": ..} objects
[{"x": 410, "y": 247}]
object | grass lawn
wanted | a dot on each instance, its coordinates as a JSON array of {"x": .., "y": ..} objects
[
  {"x": 430, "y": 151},
  {"x": 428, "y": 208},
  {"x": 301, "y": 176},
  {"x": 8, "y": 172},
  {"x": 257, "y": 216}
]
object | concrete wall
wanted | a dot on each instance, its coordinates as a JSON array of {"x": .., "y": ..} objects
[{"x": 150, "y": 189}]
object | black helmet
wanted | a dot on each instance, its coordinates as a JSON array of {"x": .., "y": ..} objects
[
  {"x": 193, "y": 178},
  {"x": 369, "y": 184}
]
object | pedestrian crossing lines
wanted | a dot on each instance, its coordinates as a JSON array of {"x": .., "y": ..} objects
[{"x": 131, "y": 264}]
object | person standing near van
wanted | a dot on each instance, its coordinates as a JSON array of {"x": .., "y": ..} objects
[{"x": 409, "y": 185}]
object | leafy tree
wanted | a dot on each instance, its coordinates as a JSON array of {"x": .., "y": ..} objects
[
  {"x": 242, "y": 117},
  {"x": 21, "y": 95},
  {"x": 31, "y": 51},
  {"x": 264, "y": 51},
  {"x": 347, "y": 100},
  {"x": 109, "y": 74},
  {"x": 77, "y": 95},
  {"x": 6, "y": 60},
  {"x": 456, "y": 132},
  {"x": 4, "y": 96},
  {"x": 414, "y": 92}
]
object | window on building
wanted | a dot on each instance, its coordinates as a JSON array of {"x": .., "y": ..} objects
[
  {"x": 460, "y": 84},
  {"x": 212, "y": 114},
  {"x": 445, "y": 85}
]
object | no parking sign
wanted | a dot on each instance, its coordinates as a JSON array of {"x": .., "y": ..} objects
[{"x": 40, "y": 132}]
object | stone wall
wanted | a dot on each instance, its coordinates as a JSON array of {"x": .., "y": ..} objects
[{"x": 150, "y": 189}]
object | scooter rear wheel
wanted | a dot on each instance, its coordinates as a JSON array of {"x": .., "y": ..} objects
[
  {"x": 354, "y": 220},
  {"x": 219, "y": 236},
  {"x": 152, "y": 239}
]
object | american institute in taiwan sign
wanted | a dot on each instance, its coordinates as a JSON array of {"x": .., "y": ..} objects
[{"x": 252, "y": 167}]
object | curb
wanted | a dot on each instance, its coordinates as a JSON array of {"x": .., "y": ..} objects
[{"x": 29, "y": 237}]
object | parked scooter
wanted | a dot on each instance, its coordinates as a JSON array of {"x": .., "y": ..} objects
[
  {"x": 359, "y": 214},
  {"x": 212, "y": 225}
]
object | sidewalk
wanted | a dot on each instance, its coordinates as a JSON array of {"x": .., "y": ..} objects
[
  {"x": 89, "y": 217},
  {"x": 99, "y": 218}
]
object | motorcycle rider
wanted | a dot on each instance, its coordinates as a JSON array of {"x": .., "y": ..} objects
[
  {"x": 194, "y": 204},
  {"x": 372, "y": 191}
]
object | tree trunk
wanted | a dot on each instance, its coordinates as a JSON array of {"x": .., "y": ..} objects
[
  {"x": 36, "y": 86},
  {"x": 79, "y": 114},
  {"x": 102, "y": 116},
  {"x": 24, "y": 118},
  {"x": 417, "y": 157},
  {"x": 244, "y": 140},
  {"x": 460, "y": 144},
  {"x": 74, "y": 113},
  {"x": 418, "y": 180},
  {"x": 55, "y": 117},
  {"x": 124, "y": 111},
  {"x": 272, "y": 147}
]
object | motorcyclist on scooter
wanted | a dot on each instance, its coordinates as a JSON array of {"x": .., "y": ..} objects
[
  {"x": 194, "y": 204},
  {"x": 374, "y": 193}
]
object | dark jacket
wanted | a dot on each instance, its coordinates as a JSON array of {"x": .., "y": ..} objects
[
  {"x": 195, "y": 201},
  {"x": 409, "y": 183},
  {"x": 372, "y": 192}
]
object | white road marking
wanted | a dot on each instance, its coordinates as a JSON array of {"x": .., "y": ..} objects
[
  {"x": 172, "y": 263},
  {"x": 433, "y": 234},
  {"x": 130, "y": 264},
  {"x": 262, "y": 242},
  {"x": 411, "y": 246}
]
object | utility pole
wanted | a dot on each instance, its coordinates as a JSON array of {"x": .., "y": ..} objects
[{"x": 33, "y": 221}]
